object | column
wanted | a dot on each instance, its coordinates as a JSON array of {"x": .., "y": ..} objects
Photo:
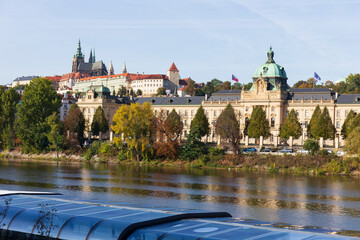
[
  {"x": 336, "y": 142},
  {"x": 246, "y": 141},
  {"x": 261, "y": 141},
  {"x": 276, "y": 141},
  {"x": 290, "y": 142},
  {"x": 321, "y": 143},
  {"x": 111, "y": 136}
]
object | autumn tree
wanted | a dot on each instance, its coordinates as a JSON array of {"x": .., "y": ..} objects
[
  {"x": 168, "y": 130},
  {"x": 99, "y": 123},
  {"x": 201, "y": 122},
  {"x": 314, "y": 118},
  {"x": 190, "y": 88},
  {"x": 324, "y": 127},
  {"x": 346, "y": 127},
  {"x": 352, "y": 142},
  {"x": 226, "y": 85},
  {"x": 74, "y": 124},
  {"x": 259, "y": 124},
  {"x": 291, "y": 126},
  {"x": 39, "y": 100},
  {"x": 134, "y": 123},
  {"x": 228, "y": 128}
]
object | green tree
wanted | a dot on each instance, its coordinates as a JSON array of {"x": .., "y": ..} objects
[
  {"x": 74, "y": 124},
  {"x": 291, "y": 126},
  {"x": 201, "y": 122},
  {"x": 139, "y": 92},
  {"x": 190, "y": 88},
  {"x": 122, "y": 91},
  {"x": 236, "y": 86},
  {"x": 247, "y": 86},
  {"x": 39, "y": 101},
  {"x": 314, "y": 118},
  {"x": 324, "y": 127},
  {"x": 168, "y": 130},
  {"x": 228, "y": 128},
  {"x": 193, "y": 147},
  {"x": 55, "y": 135},
  {"x": 346, "y": 127},
  {"x": 135, "y": 123},
  {"x": 99, "y": 123},
  {"x": 311, "y": 145},
  {"x": 352, "y": 142},
  {"x": 8, "y": 102},
  {"x": 353, "y": 83},
  {"x": 354, "y": 123},
  {"x": 216, "y": 83},
  {"x": 208, "y": 88},
  {"x": 259, "y": 124},
  {"x": 161, "y": 91}
]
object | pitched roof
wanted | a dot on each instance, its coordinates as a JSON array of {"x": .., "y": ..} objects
[
  {"x": 25, "y": 78},
  {"x": 148, "y": 76},
  {"x": 73, "y": 75},
  {"x": 171, "y": 100},
  {"x": 173, "y": 68},
  {"x": 310, "y": 90},
  {"x": 228, "y": 92},
  {"x": 182, "y": 82},
  {"x": 54, "y": 78},
  {"x": 348, "y": 99}
]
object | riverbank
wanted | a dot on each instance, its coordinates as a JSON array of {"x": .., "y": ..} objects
[{"x": 297, "y": 164}]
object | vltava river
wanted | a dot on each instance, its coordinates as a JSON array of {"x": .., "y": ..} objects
[{"x": 326, "y": 201}]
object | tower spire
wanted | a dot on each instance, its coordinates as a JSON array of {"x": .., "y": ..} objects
[
  {"x": 93, "y": 57},
  {"x": 90, "y": 56},
  {"x": 124, "y": 68},
  {"x": 111, "y": 69},
  {"x": 78, "y": 51}
]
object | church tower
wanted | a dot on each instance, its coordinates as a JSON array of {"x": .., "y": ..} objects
[
  {"x": 90, "y": 58},
  {"x": 78, "y": 58},
  {"x": 173, "y": 74},
  {"x": 124, "y": 68},
  {"x": 111, "y": 69}
]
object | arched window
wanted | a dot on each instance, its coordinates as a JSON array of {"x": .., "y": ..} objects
[{"x": 272, "y": 122}]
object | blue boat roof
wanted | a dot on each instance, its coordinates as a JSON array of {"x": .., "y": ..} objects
[{"x": 70, "y": 219}]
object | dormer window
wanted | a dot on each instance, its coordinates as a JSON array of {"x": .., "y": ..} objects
[{"x": 265, "y": 69}]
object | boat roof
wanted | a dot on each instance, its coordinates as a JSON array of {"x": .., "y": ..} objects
[{"x": 74, "y": 219}]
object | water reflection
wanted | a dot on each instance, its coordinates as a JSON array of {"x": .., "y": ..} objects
[{"x": 329, "y": 201}]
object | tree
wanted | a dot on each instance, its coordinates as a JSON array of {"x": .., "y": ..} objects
[
  {"x": 291, "y": 126},
  {"x": 190, "y": 88},
  {"x": 161, "y": 91},
  {"x": 228, "y": 128},
  {"x": 208, "y": 88},
  {"x": 298, "y": 83},
  {"x": 39, "y": 101},
  {"x": 99, "y": 123},
  {"x": 132, "y": 93},
  {"x": 236, "y": 86},
  {"x": 311, "y": 145},
  {"x": 226, "y": 86},
  {"x": 55, "y": 135},
  {"x": 122, "y": 91},
  {"x": 216, "y": 83},
  {"x": 135, "y": 123},
  {"x": 324, "y": 127},
  {"x": 314, "y": 118},
  {"x": 352, "y": 142},
  {"x": 247, "y": 86},
  {"x": 8, "y": 101},
  {"x": 201, "y": 122},
  {"x": 259, "y": 124},
  {"x": 139, "y": 92},
  {"x": 168, "y": 130},
  {"x": 353, "y": 83},
  {"x": 193, "y": 147},
  {"x": 74, "y": 123},
  {"x": 346, "y": 127}
]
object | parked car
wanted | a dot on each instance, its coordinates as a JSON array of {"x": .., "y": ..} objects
[
  {"x": 340, "y": 153},
  {"x": 286, "y": 150},
  {"x": 303, "y": 151},
  {"x": 265, "y": 150},
  {"x": 248, "y": 150},
  {"x": 329, "y": 151}
]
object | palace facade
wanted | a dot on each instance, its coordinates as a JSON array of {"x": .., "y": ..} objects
[{"x": 269, "y": 90}]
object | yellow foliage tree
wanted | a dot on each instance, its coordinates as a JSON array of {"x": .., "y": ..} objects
[{"x": 134, "y": 126}]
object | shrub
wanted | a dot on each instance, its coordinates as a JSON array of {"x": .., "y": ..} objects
[
  {"x": 311, "y": 145},
  {"x": 215, "y": 151}
]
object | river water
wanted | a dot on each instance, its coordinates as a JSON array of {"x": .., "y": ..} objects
[{"x": 324, "y": 201}]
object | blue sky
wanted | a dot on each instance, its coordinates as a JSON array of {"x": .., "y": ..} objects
[{"x": 205, "y": 38}]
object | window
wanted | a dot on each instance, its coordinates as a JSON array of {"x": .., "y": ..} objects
[
  {"x": 186, "y": 113},
  {"x": 273, "y": 122},
  {"x": 192, "y": 112},
  {"x": 306, "y": 123},
  {"x": 306, "y": 113},
  {"x": 297, "y": 113},
  {"x": 88, "y": 110},
  {"x": 337, "y": 124},
  {"x": 247, "y": 109},
  {"x": 89, "y": 96},
  {"x": 207, "y": 113},
  {"x": 185, "y": 123},
  {"x": 273, "y": 109},
  {"x": 215, "y": 113},
  {"x": 346, "y": 113},
  {"x": 337, "y": 113}
]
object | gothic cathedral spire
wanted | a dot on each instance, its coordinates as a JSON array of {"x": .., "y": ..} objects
[
  {"x": 90, "y": 56},
  {"x": 124, "y": 68}
]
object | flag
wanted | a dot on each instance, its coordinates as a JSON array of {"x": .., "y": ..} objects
[
  {"x": 235, "y": 78},
  {"x": 317, "y": 77}
]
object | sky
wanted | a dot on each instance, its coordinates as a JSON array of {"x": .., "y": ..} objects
[{"x": 205, "y": 38}]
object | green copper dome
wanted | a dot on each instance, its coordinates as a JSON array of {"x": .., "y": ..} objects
[{"x": 270, "y": 69}]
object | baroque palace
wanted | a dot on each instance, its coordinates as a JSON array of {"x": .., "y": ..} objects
[{"x": 269, "y": 90}]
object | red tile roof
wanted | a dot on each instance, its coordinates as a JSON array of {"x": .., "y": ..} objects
[
  {"x": 173, "y": 68},
  {"x": 73, "y": 75},
  {"x": 54, "y": 78},
  {"x": 127, "y": 75},
  {"x": 182, "y": 89},
  {"x": 147, "y": 76}
]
